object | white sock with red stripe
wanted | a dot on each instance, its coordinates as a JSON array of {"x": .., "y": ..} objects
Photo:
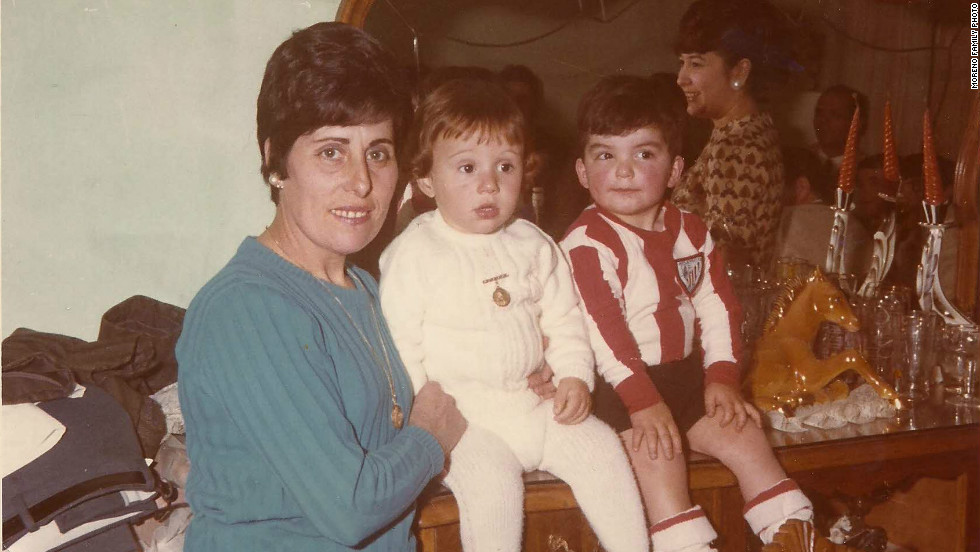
[
  {"x": 773, "y": 507},
  {"x": 688, "y": 531}
]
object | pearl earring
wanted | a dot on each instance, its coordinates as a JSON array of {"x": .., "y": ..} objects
[
  {"x": 736, "y": 84},
  {"x": 275, "y": 181}
]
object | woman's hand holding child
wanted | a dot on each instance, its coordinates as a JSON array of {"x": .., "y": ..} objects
[
  {"x": 573, "y": 402},
  {"x": 435, "y": 411},
  {"x": 727, "y": 401},
  {"x": 656, "y": 425}
]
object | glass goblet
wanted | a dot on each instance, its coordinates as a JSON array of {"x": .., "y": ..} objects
[{"x": 966, "y": 352}]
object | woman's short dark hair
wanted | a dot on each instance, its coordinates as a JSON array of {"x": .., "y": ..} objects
[
  {"x": 620, "y": 104},
  {"x": 739, "y": 29},
  {"x": 326, "y": 74}
]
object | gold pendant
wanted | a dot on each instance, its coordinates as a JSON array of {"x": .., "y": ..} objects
[
  {"x": 501, "y": 297},
  {"x": 397, "y": 418}
]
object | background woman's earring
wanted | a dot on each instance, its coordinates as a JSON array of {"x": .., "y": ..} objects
[
  {"x": 275, "y": 181},
  {"x": 736, "y": 84}
]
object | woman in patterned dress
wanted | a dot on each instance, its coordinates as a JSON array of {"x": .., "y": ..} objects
[{"x": 729, "y": 52}]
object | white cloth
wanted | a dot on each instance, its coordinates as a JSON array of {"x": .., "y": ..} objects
[
  {"x": 169, "y": 536},
  {"x": 860, "y": 406},
  {"x": 28, "y": 432},
  {"x": 168, "y": 401}
]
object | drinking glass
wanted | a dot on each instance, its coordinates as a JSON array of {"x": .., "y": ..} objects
[
  {"x": 898, "y": 295},
  {"x": 910, "y": 366},
  {"x": 881, "y": 334},
  {"x": 950, "y": 362},
  {"x": 933, "y": 351},
  {"x": 965, "y": 349}
]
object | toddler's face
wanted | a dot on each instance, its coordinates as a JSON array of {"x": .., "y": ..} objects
[
  {"x": 629, "y": 175},
  {"x": 476, "y": 182}
]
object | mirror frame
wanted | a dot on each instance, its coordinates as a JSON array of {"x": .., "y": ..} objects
[
  {"x": 354, "y": 12},
  {"x": 965, "y": 184}
]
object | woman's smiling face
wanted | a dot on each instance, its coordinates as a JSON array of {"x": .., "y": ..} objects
[
  {"x": 706, "y": 81},
  {"x": 340, "y": 183}
]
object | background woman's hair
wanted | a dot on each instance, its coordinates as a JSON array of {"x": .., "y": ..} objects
[
  {"x": 326, "y": 74},
  {"x": 740, "y": 29}
]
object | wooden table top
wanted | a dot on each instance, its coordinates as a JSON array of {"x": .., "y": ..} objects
[{"x": 929, "y": 427}]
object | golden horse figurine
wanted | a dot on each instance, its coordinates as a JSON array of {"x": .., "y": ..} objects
[{"x": 785, "y": 374}]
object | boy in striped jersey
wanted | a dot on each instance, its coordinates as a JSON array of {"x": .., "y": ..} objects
[{"x": 664, "y": 322}]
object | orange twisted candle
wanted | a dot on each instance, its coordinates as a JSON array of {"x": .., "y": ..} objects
[
  {"x": 932, "y": 185},
  {"x": 890, "y": 155},
  {"x": 846, "y": 178}
]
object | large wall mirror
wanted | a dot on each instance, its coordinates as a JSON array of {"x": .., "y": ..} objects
[{"x": 914, "y": 53}]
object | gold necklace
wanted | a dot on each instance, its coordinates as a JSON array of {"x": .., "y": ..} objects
[{"x": 397, "y": 415}]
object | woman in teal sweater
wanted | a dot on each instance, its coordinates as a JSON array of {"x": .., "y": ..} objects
[{"x": 302, "y": 430}]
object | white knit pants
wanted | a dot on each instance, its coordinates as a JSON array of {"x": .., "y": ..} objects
[{"x": 485, "y": 477}]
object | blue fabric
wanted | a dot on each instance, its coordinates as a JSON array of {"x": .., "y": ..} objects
[{"x": 288, "y": 416}]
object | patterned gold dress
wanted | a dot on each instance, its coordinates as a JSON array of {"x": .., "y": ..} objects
[{"x": 736, "y": 185}]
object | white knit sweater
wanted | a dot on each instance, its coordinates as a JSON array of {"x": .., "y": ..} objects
[{"x": 437, "y": 288}]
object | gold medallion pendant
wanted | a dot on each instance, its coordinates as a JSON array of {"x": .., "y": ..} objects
[
  {"x": 501, "y": 297},
  {"x": 397, "y": 417}
]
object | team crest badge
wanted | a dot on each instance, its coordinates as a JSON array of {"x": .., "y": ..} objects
[{"x": 690, "y": 271}]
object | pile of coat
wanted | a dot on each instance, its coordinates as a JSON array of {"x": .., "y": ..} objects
[{"x": 78, "y": 426}]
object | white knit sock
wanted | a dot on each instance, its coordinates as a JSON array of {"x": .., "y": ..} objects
[
  {"x": 589, "y": 457},
  {"x": 773, "y": 507},
  {"x": 688, "y": 531},
  {"x": 485, "y": 478}
]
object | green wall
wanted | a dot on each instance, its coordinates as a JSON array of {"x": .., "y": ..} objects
[{"x": 128, "y": 162}]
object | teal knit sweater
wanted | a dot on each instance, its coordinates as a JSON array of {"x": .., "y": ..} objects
[{"x": 288, "y": 416}]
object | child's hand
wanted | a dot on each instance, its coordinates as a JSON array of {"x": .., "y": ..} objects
[
  {"x": 572, "y": 401},
  {"x": 540, "y": 382},
  {"x": 655, "y": 425},
  {"x": 727, "y": 401}
]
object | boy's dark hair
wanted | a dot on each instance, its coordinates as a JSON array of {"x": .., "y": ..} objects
[
  {"x": 621, "y": 104},
  {"x": 326, "y": 74},
  {"x": 460, "y": 108}
]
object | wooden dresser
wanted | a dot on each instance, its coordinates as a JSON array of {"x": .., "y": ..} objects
[{"x": 917, "y": 476}]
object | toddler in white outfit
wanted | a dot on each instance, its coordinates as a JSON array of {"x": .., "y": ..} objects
[{"x": 472, "y": 295}]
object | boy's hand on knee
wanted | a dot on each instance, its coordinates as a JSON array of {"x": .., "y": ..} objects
[
  {"x": 572, "y": 401},
  {"x": 728, "y": 403},
  {"x": 655, "y": 425}
]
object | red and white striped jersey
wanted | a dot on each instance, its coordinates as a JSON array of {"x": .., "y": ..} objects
[{"x": 649, "y": 296}]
